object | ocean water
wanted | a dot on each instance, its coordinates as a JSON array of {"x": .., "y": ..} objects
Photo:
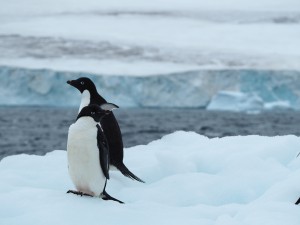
[{"x": 38, "y": 130}]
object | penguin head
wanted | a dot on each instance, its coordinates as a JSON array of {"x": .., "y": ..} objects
[
  {"x": 82, "y": 84},
  {"x": 97, "y": 112}
]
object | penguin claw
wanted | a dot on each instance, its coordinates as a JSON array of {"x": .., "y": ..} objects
[
  {"x": 79, "y": 193},
  {"x": 106, "y": 196}
]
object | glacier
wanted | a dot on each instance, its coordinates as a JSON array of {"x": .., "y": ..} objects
[{"x": 193, "y": 89}]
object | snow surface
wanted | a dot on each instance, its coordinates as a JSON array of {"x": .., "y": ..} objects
[
  {"x": 131, "y": 37},
  {"x": 190, "y": 179}
]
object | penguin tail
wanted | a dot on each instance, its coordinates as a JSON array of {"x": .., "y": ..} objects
[
  {"x": 298, "y": 201},
  {"x": 106, "y": 196},
  {"x": 126, "y": 172}
]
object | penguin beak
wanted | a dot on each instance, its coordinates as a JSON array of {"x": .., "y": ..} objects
[
  {"x": 72, "y": 83},
  {"x": 75, "y": 84}
]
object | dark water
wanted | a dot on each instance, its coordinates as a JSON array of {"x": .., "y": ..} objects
[{"x": 38, "y": 130}]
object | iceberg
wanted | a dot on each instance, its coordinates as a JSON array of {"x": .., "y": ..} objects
[
  {"x": 190, "y": 179},
  {"x": 194, "y": 89},
  {"x": 236, "y": 101},
  {"x": 280, "y": 105}
]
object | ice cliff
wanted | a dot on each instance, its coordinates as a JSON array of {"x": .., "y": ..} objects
[{"x": 20, "y": 86}]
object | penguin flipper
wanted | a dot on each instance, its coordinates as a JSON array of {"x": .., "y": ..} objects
[
  {"x": 103, "y": 151},
  {"x": 106, "y": 196},
  {"x": 297, "y": 202}
]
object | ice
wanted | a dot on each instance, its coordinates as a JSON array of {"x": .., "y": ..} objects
[
  {"x": 194, "y": 89},
  {"x": 161, "y": 53},
  {"x": 244, "y": 102},
  {"x": 236, "y": 101},
  {"x": 189, "y": 178},
  {"x": 280, "y": 105}
]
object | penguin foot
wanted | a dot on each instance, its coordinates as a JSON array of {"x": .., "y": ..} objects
[
  {"x": 79, "y": 193},
  {"x": 297, "y": 202},
  {"x": 106, "y": 196}
]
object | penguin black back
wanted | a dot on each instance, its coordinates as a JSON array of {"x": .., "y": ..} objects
[{"x": 109, "y": 125}]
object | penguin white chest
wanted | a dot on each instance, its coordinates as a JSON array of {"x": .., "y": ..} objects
[
  {"x": 84, "y": 158},
  {"x": 85, "y": 99}
]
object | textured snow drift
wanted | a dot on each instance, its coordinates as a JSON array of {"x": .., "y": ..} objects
[{"x": 190, "y": 180}]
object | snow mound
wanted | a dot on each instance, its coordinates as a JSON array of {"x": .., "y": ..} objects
[{"x": 190, "y": 180}]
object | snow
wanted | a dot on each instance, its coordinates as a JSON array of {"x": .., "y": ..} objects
[
  {"x": 137, "y": 36},
  {"x": 37, "y": 7},
  {"x": 190, "y": 179},
  {"x": 107, "y": 67}
]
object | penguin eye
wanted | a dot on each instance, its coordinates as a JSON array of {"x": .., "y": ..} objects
[
  {"x": 92, "y": 113},
  {"x": 82, "y": 83}
]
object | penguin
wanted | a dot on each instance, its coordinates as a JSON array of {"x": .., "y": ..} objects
[
  {"x": 88, "y": 152},
  {"x": 109, "y": 124}
]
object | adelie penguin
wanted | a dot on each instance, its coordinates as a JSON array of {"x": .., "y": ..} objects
[
  {"x": 109, "y": 124},
  {"x": 88, "y": 152}
]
